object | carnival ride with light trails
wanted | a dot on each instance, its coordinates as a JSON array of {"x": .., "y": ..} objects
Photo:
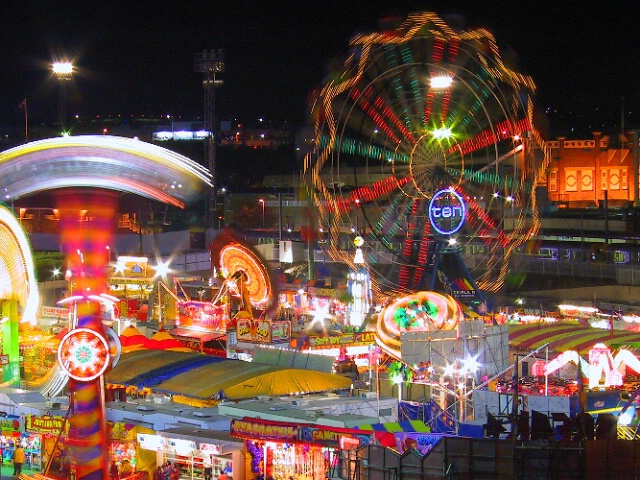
[
  {"x": 414, "y": 109},
  {"x": 245, "y": 274},
  {"x": 18, "y": 288},
  {"x": 245, "y": 277},
  {"x": 94, "y": 166}
]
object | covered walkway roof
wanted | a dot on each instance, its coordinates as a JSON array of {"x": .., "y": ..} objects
[
  {"x": 203, "y": 380},
  {"x": 564, "y": 336}
]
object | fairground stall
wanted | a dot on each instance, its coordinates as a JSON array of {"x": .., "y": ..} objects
[
  {"x": 122, "y": 444},
  {"x": 44, "y": 436},
  {"x": 191, "y": 449},
  {"x": 282, "y": 450}
]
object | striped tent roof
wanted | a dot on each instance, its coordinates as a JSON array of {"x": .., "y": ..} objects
[
  {"x": 384, "y": 432},
  {"x": 564, "y": 336},
  {"x": 198, "y": 379},
  {"x": 404, "y": 426}
]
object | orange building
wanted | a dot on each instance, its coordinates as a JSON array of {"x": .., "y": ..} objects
[{"x": 583, "y": 173}]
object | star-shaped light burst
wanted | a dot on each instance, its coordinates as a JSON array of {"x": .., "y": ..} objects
[
  {"x": 449, "y": 369},
  {"x": 162, "y": 269},
  {"x": 470, "y": 365},
  {"x": 319, "y": 314}
]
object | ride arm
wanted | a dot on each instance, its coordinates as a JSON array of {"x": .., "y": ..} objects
[{"x": 170, "y": 292}]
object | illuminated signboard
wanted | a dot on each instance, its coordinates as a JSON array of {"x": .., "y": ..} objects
[
  {"x": 253, "y": 330},
  {"x": 447, "y": 211},
  {"x": 46, "y": 424},
  {"x": 333, "y": 438},
  {"x": 263, "y": 431},
  {"x": 151, "y": 442}
]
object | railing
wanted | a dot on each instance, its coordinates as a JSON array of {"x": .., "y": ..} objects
[{"x": 621, "y": 274}]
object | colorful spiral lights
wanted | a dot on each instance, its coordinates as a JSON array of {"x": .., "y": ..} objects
[{"x": 419, "y": 312}]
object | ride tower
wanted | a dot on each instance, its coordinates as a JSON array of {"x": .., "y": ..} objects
[{"x": 84, "y": 352}]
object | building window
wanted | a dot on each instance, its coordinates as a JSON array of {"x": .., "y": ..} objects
[
  {"x": 605, "y": 176},
  {"x": 553, "y": 181},
  {"x": 614, "y": 179},
  {"x": 586, "y": 180},
  {"x": 571, "y": 181}
]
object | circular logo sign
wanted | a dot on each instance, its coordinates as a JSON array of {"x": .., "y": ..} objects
[
  {"x": 358, "y": 241},
  {"x": 447, "y": 211},
  {"x": 83, "y": 354}
]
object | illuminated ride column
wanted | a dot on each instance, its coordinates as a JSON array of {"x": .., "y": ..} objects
[
  {"x": 10, "y": 343},
  {"x": 359, "y": 286},
  {"x": 84, "y": 352}
]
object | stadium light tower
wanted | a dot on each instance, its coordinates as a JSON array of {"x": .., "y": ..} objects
[
  {"x": 211, "y": 64},
  {"x": 63, "y": 71}
]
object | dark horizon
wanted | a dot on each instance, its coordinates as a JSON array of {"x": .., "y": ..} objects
[{"x": 136, "y": 58}]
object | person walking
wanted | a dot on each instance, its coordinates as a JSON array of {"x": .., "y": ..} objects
[
  {"x": 114, "y": 473},
  {"x": 18, "y": 460},
  {"x": 175, "y": 472},
  {"x": 206, "y": 463},
  {"x": 167, "y": 470}
]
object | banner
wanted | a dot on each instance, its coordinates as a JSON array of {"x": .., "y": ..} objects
[
  {"x": 332, "y": 438},
  {"x": 53, "y": 312},
  {"x": 351, "y": 339},
  {"x": 453, "y": 278},
  {"x": 253, "y": 330},
  {"x": 46, "y": 424},
  {"x": 423, "y": 442},
  {"x": 280, "y": 331}
]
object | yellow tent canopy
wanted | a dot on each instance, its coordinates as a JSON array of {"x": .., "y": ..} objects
[{"x": 201, "y": 379}]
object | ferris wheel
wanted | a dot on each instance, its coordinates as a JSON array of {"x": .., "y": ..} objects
[{"x": 423, "y": 137}]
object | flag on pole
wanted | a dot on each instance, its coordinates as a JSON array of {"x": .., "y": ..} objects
[{"x": 23, "y": 106}]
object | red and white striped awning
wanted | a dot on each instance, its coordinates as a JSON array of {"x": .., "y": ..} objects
[{"x": 564, "y": 336}]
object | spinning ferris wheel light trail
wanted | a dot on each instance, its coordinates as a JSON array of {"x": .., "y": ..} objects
[
  {"x": 246, "y": 273},
  {"x": 411, "y": 111}
]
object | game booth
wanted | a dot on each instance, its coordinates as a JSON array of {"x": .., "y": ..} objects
[{"x": 282, "y": 450}]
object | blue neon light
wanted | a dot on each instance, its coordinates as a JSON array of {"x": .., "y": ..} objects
[{"x": 453, "y": 211}]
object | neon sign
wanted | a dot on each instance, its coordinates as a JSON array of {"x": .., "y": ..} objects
[{"x": 447, "y": 211}]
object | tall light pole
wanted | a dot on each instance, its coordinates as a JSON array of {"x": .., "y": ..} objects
[
  {"x": 262, "y": 202},
  {"x": 211, "y": 64},
  {"x": 63, "y": 71}
]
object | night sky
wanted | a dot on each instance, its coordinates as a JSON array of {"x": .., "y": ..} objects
[{"x": 136, "y": 57}]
